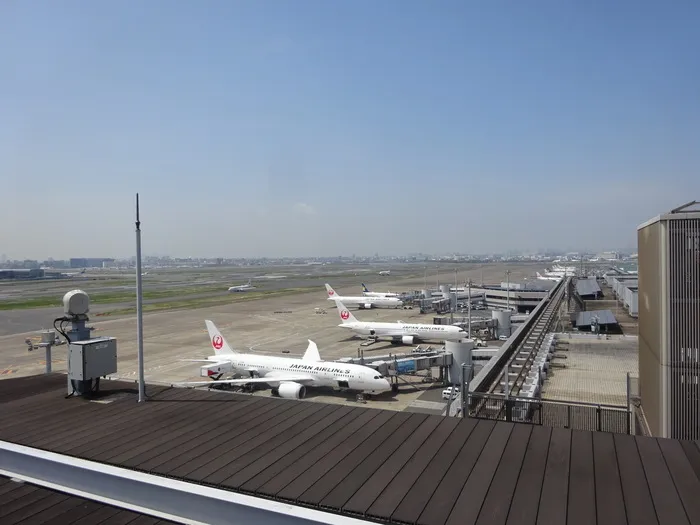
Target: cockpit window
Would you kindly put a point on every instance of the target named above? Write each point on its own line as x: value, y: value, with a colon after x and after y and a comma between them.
x: 378, y: 377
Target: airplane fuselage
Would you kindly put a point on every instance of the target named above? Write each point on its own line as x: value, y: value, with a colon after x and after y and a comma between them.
x: 396, y: 331
x: 324, y: 373
x: 370, y: 301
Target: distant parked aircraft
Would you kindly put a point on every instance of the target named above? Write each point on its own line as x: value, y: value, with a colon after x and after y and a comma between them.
x: 366, y: 292
x: 242, y: 287
x: 365, y: 301
x: 385, y: 272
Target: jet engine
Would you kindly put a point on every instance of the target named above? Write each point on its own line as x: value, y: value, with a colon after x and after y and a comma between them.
x: 407, y: 339
x: 291, y: 390
x: 367, y: 305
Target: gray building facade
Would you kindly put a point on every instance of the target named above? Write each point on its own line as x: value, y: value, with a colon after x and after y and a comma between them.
x: 669, y: 322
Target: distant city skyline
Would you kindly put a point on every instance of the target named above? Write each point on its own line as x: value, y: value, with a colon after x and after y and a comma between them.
x: 534, y: 255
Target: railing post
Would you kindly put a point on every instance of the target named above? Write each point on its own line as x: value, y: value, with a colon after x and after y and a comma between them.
x: 598, y: 413
x: 568, y: 416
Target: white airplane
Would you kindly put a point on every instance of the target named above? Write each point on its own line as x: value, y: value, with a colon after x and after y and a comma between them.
x: 242, y: 287
x: 548, y: 277
x: 364, y: 301
x: 399, y: 332
x: 367, y: 293
x: 385, y: 272
x: 287, y: 376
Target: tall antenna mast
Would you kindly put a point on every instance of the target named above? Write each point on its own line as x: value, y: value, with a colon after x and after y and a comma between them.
x: 139, y: 305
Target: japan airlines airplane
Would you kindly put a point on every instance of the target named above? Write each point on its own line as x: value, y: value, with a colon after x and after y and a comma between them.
x: 366, y: 292
x: 365, y: 301
x: 287, y: 376
x: 399, y: 332
x: 242, y: 287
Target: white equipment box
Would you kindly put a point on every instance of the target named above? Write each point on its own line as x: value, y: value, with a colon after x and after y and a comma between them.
x: 92, y: 358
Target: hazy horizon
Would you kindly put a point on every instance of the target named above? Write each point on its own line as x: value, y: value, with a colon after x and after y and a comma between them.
x: 253, y: 129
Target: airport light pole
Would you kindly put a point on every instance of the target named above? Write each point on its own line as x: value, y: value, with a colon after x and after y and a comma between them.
x: 139, y: 305
x: 508, y: 289
x: 469, y: 307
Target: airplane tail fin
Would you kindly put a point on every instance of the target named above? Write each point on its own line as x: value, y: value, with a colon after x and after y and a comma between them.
x: 311, y: 353
x: 217, y: 340
x: 331, y: 291
x: 345, y: 314
x: 364, y: 287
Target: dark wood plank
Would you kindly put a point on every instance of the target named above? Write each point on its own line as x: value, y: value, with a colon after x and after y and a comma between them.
x: 684, y: 478
x: 139, y: 454
x: 391, y: 466
x: 638, y: 503
x: 152, y: 423
x: 22, y: 510
x: 415, y: 501
x: 76, y: 514
x: 582, y: 503
x: 315, y: 484
x: 526, y: 497
x: 173, y: 454
x: 610, y: 503
x: 668, y: 505
x: 555, y: 490
x: 83, y: 422
x: 362, y: 473
x: 275, y: 436
x: 264, y: 455
x: 206, y: 464
x: 273, y: 477
x: 303, y: 480
x: 390, y: 498
x: 68, y: 505
x: 464, y: 504
x: 693, y: 454
x: 497, y: 496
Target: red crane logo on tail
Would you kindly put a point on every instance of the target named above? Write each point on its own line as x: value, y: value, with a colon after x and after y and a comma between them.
x: 344, y: 315
x: 217, y: 342
x: 330, y: 292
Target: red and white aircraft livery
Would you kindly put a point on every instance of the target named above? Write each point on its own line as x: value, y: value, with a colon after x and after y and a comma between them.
x: 287, y: 376
x: 365, y: 301
x: 399, y: 332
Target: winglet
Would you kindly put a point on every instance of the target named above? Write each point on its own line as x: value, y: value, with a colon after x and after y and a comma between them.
x: 218, y: 342
x: 312, y: 353
x: 345, y: 314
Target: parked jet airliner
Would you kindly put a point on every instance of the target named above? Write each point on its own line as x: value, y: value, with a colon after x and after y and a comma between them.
x: 367, y: 293
x: 242, y: 287
x: 399, y: 332
x: 365, y: 301
x: 287, y: 376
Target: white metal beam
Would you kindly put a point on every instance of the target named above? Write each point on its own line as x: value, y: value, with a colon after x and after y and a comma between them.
x: 157, y: 496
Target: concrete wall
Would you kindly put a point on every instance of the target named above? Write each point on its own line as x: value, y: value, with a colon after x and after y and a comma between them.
x: 651, y: 344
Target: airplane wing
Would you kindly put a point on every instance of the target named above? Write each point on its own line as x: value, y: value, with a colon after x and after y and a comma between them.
x: 267, y: 379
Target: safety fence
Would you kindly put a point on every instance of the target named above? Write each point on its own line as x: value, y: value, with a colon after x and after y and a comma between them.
x: 551, y: 413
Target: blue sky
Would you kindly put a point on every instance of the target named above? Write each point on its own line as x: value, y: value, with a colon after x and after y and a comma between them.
x: 293, y: 127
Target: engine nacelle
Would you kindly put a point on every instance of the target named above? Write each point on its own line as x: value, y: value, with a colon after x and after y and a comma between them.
x: 367, y: 305
x: 407, y: 339
x: 291, y: 391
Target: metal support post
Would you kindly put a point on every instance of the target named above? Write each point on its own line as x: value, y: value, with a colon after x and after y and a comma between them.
x: 48, y: 359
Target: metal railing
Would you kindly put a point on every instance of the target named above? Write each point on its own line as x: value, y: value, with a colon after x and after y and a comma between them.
x: 551, y: 413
